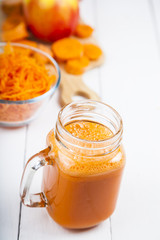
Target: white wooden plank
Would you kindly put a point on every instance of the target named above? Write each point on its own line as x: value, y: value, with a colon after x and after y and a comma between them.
x: 130, y: 83
x: 12, y: 144
x: 47, y: 229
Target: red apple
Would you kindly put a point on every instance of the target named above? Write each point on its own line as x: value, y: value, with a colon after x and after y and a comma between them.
x: 51, y: 20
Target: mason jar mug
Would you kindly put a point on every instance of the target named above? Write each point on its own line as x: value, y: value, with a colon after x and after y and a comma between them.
x: 83, y: 165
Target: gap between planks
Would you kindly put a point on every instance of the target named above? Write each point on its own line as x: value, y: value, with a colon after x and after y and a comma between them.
x: 20, y: 204
x: 99, y: 75
x: 154, y: 22
x: 96, y: 26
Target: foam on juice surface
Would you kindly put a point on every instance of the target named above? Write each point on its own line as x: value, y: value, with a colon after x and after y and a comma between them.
x: 77, y: 164
x: 90, y: 131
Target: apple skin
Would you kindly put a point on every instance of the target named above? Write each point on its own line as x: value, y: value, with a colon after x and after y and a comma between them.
x: 51, y: 20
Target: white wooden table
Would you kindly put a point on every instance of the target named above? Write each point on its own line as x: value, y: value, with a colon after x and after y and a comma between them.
x: 129, y: 33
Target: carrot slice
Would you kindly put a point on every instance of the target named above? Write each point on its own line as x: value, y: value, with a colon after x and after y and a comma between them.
x: 28, y: 42
x: 10, y: 7
x: 83, y: 31
x: 25, y: 51
x: 12, y: 21
x: 77, y: 66
x: 67, y: 48
x: 14, y: 28
x: 41, y: 58
x: 93, y: 52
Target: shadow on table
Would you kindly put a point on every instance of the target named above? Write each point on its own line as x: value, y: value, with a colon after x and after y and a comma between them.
x: 80, y: 230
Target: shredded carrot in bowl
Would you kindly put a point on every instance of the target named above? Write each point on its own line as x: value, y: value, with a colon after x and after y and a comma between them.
x: 22, y: 80
x: 21, y: 77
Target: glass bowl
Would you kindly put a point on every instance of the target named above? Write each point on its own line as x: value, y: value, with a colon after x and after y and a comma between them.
x: 22, y: 112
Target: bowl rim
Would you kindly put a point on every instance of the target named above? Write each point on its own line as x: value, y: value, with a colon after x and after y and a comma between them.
x: 44, y: 95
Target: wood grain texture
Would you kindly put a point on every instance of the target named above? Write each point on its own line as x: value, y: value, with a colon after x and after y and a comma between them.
x: 73, y: 86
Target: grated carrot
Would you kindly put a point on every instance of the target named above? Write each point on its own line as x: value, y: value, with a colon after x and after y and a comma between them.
x: 21, y: 77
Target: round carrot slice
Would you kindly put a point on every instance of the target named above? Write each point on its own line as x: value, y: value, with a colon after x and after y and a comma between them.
x: 25, y: 51
x: 93, y: 52
x: 28, y: 42
x: 83, y: 31
x: 77, y: 66
x: 19, y: 32
x: 10, y: 7
x: 14, y: 28
x: 67, y: 48
x: 41, y: 58
x: 11, y: 22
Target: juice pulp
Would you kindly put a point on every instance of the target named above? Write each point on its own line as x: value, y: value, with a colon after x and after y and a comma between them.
x: 82, y: 191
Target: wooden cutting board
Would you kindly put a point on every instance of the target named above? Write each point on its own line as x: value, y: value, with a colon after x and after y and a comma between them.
x: 73, y: 85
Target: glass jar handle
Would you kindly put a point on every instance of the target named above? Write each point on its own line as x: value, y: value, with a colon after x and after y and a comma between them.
x: 34, y: 163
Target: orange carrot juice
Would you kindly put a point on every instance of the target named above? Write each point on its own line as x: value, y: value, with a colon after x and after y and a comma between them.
x: 82, y: 187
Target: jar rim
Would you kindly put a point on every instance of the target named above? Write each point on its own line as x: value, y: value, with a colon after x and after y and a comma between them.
x: 115, y: 135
